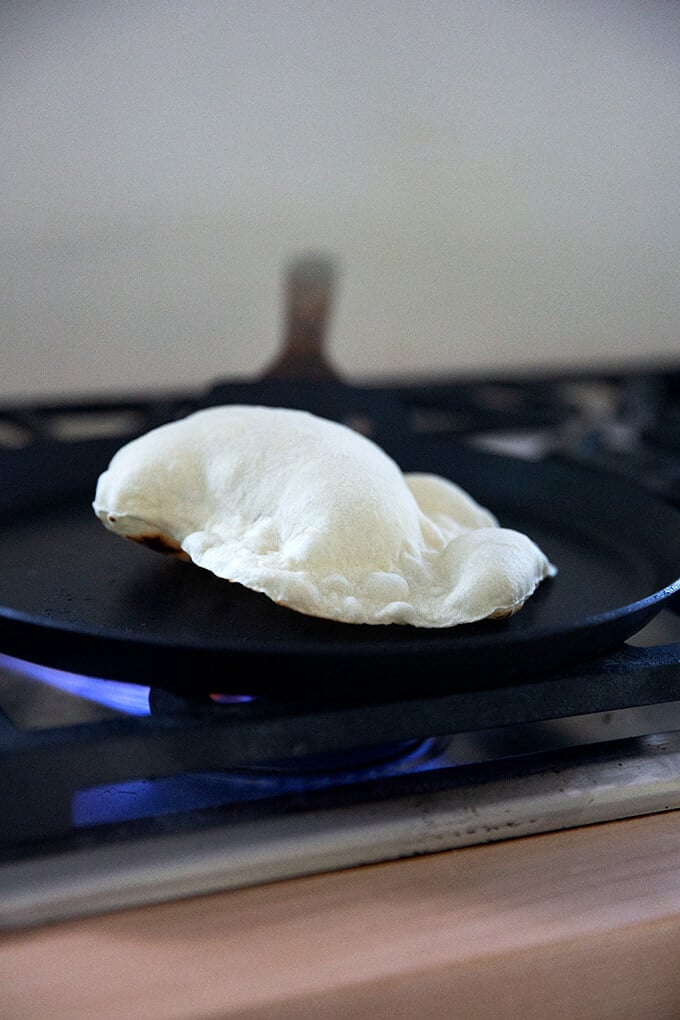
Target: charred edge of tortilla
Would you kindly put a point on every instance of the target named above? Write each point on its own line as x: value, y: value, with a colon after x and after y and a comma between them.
x: 505, y: 614
x: 160, y: 543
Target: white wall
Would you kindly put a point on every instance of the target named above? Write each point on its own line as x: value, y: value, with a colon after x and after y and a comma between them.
x: 500, y: 181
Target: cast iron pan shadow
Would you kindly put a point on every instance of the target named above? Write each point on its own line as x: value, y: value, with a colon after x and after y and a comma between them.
x: 76, y: 597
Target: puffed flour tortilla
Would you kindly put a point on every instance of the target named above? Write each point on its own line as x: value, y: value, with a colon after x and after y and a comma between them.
x: 318, y: 518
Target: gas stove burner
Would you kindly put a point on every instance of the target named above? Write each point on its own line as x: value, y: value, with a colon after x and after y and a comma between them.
x: 402, y: 754
x: 394, y: 754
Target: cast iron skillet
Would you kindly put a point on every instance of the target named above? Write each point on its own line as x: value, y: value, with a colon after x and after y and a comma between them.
x: 77, y: 597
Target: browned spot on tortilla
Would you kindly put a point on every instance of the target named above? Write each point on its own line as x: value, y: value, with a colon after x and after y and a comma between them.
x: 503, y: 614
x: 160, y: 543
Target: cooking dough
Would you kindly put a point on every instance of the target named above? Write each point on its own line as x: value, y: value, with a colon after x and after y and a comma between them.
x: 319, y: 518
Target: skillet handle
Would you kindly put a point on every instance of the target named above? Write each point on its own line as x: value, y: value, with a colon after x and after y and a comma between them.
x: 310, y: 287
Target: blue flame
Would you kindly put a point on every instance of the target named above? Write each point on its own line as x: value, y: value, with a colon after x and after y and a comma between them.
x: 132, y: 699
x: 147, y: 798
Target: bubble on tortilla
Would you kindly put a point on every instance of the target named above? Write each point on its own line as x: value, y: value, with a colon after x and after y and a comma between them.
x: 318, y: 518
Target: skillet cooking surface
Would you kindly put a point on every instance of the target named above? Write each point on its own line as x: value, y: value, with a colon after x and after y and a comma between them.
x: 77, y: 597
